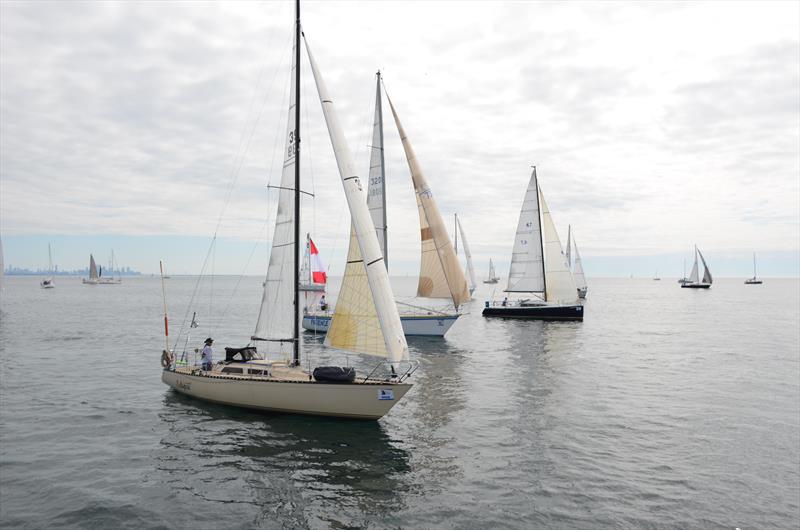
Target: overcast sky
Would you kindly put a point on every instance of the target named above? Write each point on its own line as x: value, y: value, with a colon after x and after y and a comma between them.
x: 654, y: 126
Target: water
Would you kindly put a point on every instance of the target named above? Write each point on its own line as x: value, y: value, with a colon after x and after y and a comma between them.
x: 666, y: 408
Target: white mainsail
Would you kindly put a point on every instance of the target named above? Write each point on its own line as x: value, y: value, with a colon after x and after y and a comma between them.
x: 440, y: 274
x: 92, y: 268
x: 276, y: 318
x: 577, y: 271
x: 387, y: 326
x: 526, y: 273
x: 376, y: 188
x: 468, y: 255
x: 559, y: 283
x: 706, y: 273
x: 694, y: 277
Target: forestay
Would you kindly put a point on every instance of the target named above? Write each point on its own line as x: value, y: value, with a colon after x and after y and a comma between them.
x: 369, y: 252
x: 440, y: 274
x: 526, y: 273
x: 275, y: 319
x: 560, y: 286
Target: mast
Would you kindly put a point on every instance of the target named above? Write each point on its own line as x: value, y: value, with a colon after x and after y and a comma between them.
x: 455, y: 232
x: 541, y: 235
x: 569, y: 242
x: 296, y: 334
x: 50, y: 259
x: 379, y: 113
x: 754, y: 265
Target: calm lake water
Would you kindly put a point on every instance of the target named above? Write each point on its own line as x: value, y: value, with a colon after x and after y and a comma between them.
x: 665, y: 408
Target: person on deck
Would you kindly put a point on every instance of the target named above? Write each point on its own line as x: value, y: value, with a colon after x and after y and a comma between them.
x: 207, y: 353
x: 323, y: 304
x: 505, y: 301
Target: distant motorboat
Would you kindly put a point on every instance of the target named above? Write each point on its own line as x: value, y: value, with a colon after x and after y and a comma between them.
x: 694, y: 280
x: 754, y: 280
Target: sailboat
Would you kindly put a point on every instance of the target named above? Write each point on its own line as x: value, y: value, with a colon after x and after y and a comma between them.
x: 314, y: 277
x: 440, y: 272
x: 467, y: 254
x: 111, y: 280
x: 694, y: 279
x: 365, y: 320
x: 94, y: 277
x: 754, y: 280
x: 656, y: 277
x: 577, y: 270
x: 538, y: 267
x: 47, y: 283
x: 492, y: 278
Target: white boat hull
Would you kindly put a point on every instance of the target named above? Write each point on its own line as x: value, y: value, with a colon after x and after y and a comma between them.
x: 89, y: 281
x: 416, y: 325
x: 359, y: 400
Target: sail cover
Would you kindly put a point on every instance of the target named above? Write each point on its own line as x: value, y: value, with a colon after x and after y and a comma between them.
x: 376, y: 189
x: 275, y: 319
x: 440, y: 274
x: 468, y: 255
x: 577, y: 272
x: 527, y: 262
x: 387, y: 325
x: 560, y: 286
x: 92, y: 268
x: 706, y: 273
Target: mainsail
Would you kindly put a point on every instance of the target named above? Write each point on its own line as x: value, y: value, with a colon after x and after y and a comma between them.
x: 92, y: 268
x: 527, y: 259
x: 440, y: 274
x: 569, y: 242
x: 276, y: 318
x: 468, y: 255
x: 706, y: 273
x: 560, y: 286
x: 376, y: 188
x: 368, y: 257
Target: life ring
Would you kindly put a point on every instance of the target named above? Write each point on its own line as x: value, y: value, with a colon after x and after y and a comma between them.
x: 166, y: 359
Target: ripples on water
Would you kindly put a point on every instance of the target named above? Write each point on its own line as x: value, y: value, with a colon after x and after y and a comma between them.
x: 666, y: 408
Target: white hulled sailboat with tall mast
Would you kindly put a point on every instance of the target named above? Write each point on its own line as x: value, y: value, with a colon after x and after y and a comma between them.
x: 48, y: 283
x: 365, y: 321
x: 440, y: 272
x: 755, y: 280
x: 577, y: 269
x: 493, y: 277
x: 694, y: 281
x: 538, y: 268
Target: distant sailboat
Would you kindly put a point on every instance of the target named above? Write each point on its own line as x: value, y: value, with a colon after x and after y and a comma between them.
x: 684, y: 279
x: 538, y: 267
x: 754, y: 280
x: 694, y: 278
x: 577, y: 270
x: 313, y: 277
x: 656, y: 277
x: 492, y: 278
x: 94, y: 277
x: 467, y: 254
x: 47, y: 283
x: 111, y: 280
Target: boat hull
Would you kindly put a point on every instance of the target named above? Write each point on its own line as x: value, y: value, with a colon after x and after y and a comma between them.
x: 359, y: 400
x: 416, y: 325
x: 89, y: 282
x: 490, y: 281
x: 753, y: 282
x: 695, y: 285
x: 540, y: 312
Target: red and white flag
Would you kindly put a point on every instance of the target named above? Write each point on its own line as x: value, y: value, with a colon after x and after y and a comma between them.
x: 318, y: 274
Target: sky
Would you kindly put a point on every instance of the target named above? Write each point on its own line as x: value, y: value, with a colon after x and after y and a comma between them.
x: 149, y: 127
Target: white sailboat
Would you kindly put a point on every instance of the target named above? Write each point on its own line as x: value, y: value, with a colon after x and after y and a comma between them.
x: 110, y: 280
x: 440, y: 272
x: 94, y: 277
x: 577, y: 272
x: 493, y: 277
x: 48, y: 283
x: 467, y: 254
x: 538, y: 268
x: 755, y: 280
x: 694, y: 277
x: 365, y: 320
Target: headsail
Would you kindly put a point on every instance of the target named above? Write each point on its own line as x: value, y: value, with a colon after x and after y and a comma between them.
x: 376, y: 189
x: 467, y: 254
x: 694, y: 276
x: 706, y: 273
x: 526, y: 273
x: 559, y: 283
x: 92, y: 268
x: 369, y: 257
x: 275, y: 319
x: 440, y: 274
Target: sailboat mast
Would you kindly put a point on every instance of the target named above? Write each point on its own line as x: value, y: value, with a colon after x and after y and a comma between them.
x: 296, y: 334
x: 455, y: 232
x: 541, y: 236
x: 754, y: 264
x: 379, y: 112
x: 50, y: 259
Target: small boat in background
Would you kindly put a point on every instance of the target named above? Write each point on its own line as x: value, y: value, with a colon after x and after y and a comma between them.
x: 48, y: 283
x: 754, y: 280
x: 110, y: 280
x: 694, y: 280
x: 467, y: 254
x: 656, y: 278
x: 312, y: 273
x: 577, y: 270
x: 93, y: 278
x: 493, y: 278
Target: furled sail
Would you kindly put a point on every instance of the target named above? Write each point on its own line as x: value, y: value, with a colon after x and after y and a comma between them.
x: 577, y: 271
x: 376, y: 188
x: 387, y: 326
x: 559, y: 283
x: 92, y: 268
x: 276, y: 317
x: 468, y: 255
x: 694, y: 276
x: 440, y: 274
x: 706, y: 273
x: 527, y: 260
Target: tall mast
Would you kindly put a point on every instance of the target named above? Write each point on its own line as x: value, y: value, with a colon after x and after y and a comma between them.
x: 754, y: 264
x: 296, y: 335
x: 50, y: 259
x: 541, y: 235
x: 379, y: 112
